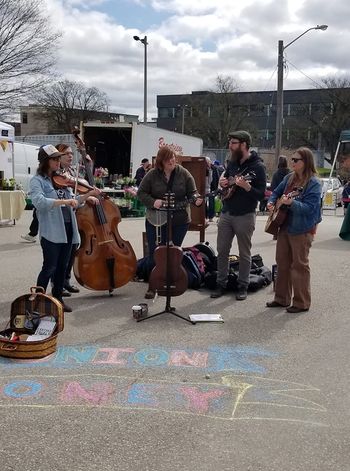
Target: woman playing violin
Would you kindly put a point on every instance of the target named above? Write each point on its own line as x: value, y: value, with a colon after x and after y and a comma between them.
x: 167, y: 176
x: 67, y: 168
x: 57, y: 222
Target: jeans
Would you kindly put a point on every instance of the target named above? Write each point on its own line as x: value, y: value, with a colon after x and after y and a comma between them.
x: 55, y: 261
x: 70, y: 265
x: 178, y: 235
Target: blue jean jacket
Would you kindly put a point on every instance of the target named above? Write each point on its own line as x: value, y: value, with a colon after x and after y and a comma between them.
x: 50, y: 217
x: 305, y: 210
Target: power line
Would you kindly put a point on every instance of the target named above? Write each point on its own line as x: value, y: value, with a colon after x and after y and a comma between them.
x: 322, y: 87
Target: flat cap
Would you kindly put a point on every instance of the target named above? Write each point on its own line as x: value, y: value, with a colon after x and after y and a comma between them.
x: 242, y: 136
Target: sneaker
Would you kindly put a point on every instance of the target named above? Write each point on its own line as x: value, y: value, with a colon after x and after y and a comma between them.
x: 220, y: 291
x: 242, y: 294
x: 28, y: 238
x: 66, y: 293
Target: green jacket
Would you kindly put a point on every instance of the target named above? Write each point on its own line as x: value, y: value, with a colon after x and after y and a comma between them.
x: 154, y: 185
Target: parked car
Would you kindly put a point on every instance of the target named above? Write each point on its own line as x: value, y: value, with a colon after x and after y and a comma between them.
x: 346, y: 196
x: 332, y: 185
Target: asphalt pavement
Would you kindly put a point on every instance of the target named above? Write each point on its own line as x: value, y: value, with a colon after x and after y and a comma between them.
x: 265, y: 390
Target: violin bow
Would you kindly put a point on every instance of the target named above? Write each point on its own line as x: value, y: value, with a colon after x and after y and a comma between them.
x: 76, y: 133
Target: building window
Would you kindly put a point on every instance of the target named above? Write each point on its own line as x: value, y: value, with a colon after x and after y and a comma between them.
x: 299, y: 109
x: 25, y: 118
x: 257, y: 110
x: 166, y: 113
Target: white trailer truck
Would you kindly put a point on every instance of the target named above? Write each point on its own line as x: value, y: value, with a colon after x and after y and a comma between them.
x: 120, y: 147
x: 7, y: 137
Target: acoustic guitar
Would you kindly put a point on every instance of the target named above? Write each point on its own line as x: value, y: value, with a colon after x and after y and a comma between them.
x: 279, y: 214
x: 227, y: 192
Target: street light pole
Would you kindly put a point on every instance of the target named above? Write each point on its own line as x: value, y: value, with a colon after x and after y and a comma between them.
x: 145, y: 43
x: 279, y: 101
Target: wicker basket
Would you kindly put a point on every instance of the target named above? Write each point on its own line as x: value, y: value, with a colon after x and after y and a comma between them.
x: 43, y: 304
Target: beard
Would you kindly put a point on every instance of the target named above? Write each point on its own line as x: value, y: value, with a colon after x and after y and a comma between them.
x: 236, y: 155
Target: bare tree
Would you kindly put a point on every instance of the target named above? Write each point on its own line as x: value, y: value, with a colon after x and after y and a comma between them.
x: 27, y: 42
x: 216, y: 112
x: 332, y: 117
x: 69, y: 102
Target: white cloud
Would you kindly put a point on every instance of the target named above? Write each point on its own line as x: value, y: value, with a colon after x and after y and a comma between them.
x: 198, y: 40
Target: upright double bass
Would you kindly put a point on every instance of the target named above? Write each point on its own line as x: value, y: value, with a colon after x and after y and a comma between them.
x: 104, y: 260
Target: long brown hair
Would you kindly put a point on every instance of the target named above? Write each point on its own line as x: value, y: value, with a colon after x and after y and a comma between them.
x: 165, y: 153
x: 309, y: 167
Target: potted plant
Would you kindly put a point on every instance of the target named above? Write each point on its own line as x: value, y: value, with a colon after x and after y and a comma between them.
x: 12, y: 184
x: 100, y: 174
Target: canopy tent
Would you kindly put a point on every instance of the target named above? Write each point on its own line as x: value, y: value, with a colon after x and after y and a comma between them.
x: 7, y: 137
x: 344, y: 140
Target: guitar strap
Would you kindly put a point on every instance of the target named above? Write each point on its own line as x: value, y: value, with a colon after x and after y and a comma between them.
x: 169, y: 187
x: 159, y: 221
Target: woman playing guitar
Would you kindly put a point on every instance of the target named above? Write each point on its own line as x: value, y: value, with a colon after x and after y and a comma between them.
x: 295, y: 236
x: 166, y: 177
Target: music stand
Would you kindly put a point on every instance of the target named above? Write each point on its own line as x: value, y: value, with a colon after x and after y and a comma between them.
x: 168, y: 308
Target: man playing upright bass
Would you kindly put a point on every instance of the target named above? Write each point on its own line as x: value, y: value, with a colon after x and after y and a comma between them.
x: 243, y: 185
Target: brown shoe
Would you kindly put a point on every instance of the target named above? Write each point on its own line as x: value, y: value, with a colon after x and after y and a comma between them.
x: 274, y: 304
x: 150, y: 294
x: 295, y: 310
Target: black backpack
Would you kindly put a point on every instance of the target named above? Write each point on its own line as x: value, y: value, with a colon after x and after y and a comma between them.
x: 195, y: 277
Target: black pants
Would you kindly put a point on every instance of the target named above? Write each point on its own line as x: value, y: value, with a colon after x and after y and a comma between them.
x: 34, y: 226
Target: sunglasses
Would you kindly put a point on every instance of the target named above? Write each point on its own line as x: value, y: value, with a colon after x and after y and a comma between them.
x: 295, y: 160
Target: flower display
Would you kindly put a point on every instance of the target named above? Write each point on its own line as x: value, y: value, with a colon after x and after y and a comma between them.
x: 101, y: 172
x: 130, y: 192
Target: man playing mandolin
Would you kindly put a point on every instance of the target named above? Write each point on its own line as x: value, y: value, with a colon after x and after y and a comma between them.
x: 243, y: 185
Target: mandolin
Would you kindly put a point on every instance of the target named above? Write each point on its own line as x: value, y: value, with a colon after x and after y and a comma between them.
x: 279, y: 214
x: 229, y: 190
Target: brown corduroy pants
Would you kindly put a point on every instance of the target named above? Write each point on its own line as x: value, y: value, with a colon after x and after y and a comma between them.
x: 293, y: 271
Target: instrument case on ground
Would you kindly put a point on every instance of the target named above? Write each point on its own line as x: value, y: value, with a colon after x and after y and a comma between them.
x: 24, y: 308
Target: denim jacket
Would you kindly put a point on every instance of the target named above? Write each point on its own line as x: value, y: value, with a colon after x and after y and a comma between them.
x: 50, y: 217
x: 305, y: 211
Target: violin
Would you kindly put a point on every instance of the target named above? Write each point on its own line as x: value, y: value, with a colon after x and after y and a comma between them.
x: 65, y: 180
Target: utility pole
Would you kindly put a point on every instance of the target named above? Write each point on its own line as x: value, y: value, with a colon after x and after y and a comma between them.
x: 279, y: 103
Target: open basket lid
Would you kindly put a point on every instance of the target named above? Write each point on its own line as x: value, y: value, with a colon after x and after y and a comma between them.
x: 39, y: 302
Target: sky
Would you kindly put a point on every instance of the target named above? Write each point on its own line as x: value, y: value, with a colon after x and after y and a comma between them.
x: 191, y: 42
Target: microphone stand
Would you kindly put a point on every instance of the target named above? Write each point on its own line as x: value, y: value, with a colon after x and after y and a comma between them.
x: 168, y: 308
